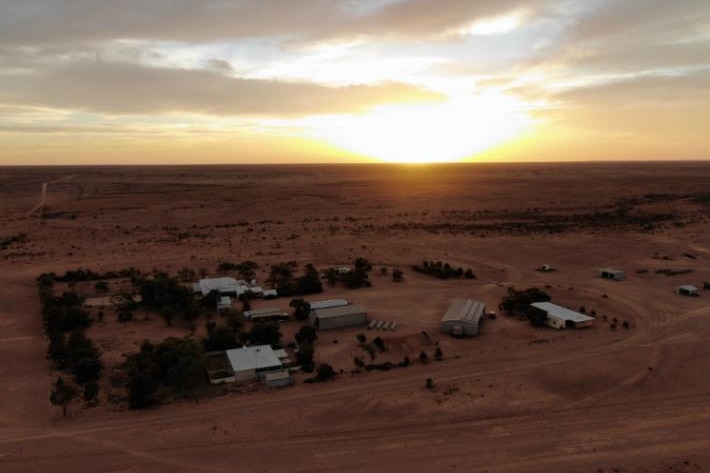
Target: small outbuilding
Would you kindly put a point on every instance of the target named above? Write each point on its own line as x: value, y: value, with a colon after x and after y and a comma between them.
x: 463, y: 318
x: 278, y: 379
x: 615, y: 274
x: 225, y: 302
x: 687, y: 290
x: 338, y: 317
x: 560, y: 317
x: 253, y: 362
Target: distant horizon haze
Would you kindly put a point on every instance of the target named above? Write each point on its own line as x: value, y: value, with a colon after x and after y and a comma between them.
x: 321, y: 81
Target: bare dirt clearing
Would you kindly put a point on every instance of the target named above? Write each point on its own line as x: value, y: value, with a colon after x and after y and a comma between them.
x: 515, y: 399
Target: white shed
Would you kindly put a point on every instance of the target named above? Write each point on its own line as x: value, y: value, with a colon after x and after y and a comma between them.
x: 338, y: 317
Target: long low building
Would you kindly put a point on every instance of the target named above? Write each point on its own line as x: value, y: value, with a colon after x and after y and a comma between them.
x: 267, y: 313
x: 253, y: 362
x: 225, y: 286
x: 338, y: 317
x: 560, y: 317
x: 463, y: 318
x: 328, y: 304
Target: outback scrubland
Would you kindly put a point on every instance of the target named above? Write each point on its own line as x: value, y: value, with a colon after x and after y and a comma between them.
x: 630, y: 394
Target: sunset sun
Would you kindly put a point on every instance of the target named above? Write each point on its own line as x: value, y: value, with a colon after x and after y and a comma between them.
x: 450, y: 131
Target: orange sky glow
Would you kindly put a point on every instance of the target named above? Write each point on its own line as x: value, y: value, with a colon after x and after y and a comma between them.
x: 405, y: 81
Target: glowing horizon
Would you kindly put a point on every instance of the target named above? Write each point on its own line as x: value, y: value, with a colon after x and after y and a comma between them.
x: 375, y: 80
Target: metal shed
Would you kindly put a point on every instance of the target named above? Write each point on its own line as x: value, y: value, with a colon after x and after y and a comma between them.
x: 338, y: 317
x: 463, y: 317
x: 687, y: 290
x: 560, y: 317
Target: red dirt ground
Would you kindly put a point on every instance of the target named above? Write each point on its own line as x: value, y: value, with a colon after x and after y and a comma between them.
x: 515, y: 399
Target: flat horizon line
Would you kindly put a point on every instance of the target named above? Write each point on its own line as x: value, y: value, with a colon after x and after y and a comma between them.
x: 356, y: 163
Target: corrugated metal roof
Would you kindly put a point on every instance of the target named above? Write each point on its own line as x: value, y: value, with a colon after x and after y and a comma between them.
x: 221, y: 285
x: 688, y: 288
x: 339, y: 311
x: 328, y: 304
x: 265, y: 312
x: 561, y: 312
x: 464, y: 310
x: 248, y: 358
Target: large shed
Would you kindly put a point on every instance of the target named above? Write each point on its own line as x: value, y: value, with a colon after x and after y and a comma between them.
x: 463, y: 317
x: 560, y: 317
x: 338, y: 317
x: 253, y: 362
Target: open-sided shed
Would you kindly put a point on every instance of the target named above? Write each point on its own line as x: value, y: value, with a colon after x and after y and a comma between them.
x: 560, y: 317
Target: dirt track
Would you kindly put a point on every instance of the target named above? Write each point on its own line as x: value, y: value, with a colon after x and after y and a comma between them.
x: 515, y: 400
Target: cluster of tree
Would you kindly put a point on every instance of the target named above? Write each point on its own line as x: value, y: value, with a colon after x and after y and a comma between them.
x: 301, y: 308
x: 306, y: 338
x: 518, y: 303
x: 324, y: 372
x: 6, y: 242
x: 79, y: 275
x: 69, y: 348
x: 166, y: 296
x: 245, y: 270
x: 231, y: 335
x: 175, y: 365
x: 356, y: 278
x: 397, y: 275
x: 283, y: 279
x: 386, y: 366
x: 441, y: 270
x: 372, y: 347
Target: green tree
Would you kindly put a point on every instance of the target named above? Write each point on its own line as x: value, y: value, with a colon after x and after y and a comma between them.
x: 221, y: 338
x: 304, y: 358
x: 397, y: 275
x: 324, y: 372
x: 141, y: 389
x: 301, y: 308
x: 518, y: 302
x: 306, y: 335
x: 87, y: 369
x: 91, y: 391
x: 265, y: 333
x: 62, y: 395
x: 101, y: 286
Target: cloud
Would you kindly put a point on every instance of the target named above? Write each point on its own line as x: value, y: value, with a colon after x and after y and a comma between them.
x: 642, y: 20
x: 133, y: 89
x: 645, y: 90
x: 76, y: 21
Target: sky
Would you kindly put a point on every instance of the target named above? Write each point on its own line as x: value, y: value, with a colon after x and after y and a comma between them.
x: 292, y: 81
